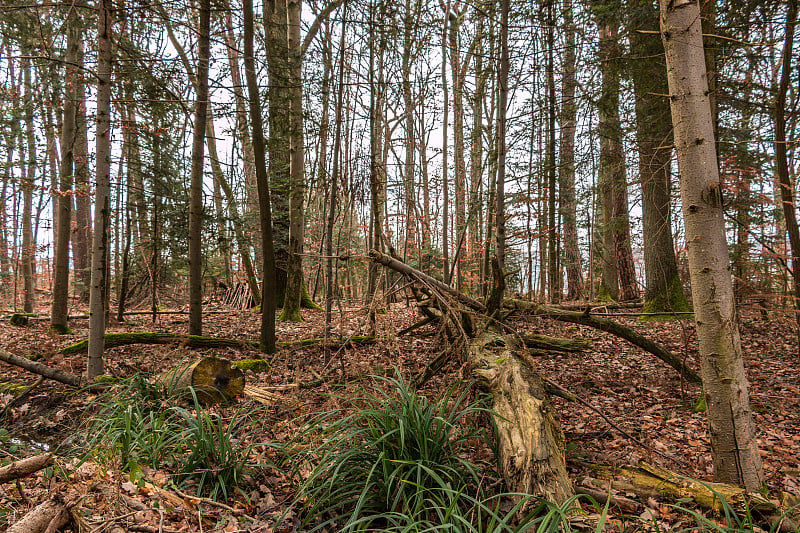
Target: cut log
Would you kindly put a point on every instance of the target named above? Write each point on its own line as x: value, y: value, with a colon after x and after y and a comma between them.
x: 50, y: 515
x: 25, y: 467
x: 43, y: 370
x: 608, y: 326
x: 213, y: 380
x: 530, y: 442
x: 113, y: 340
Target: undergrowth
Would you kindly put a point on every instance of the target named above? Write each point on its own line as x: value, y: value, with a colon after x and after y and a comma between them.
x: 139, y: 426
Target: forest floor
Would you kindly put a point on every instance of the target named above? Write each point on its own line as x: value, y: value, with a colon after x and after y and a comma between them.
x: 639, y: 393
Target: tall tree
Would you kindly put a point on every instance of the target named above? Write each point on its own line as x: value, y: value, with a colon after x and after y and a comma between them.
x: 27, y: 185
x: 59, y: 310
x: 196, y: 187
x: 102, y: 207
x: 734, y: 447
x: 781, y: 155
x: 663, y: 289
x: 617, y: 253
x: 268, y: 292
x: 567, y: 119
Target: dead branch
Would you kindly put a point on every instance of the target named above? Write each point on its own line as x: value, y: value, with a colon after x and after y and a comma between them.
x: 608, y: 326
x: 43, y: 370
x: 25, y: 467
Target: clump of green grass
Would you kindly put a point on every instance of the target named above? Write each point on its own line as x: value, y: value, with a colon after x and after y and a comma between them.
x: 388, y: 455
x: 139, y: 425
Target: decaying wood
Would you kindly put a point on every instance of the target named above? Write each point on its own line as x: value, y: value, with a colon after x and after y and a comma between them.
x: 25, y: 467
x: 626, y: 505
x: 652, y: 481
x: 530, y: 441
x: 213, y: 380
x: 113, y: 340
x: 263, y: 396
x: 334, y: 342
x: 50, y: 515
x: 43, y: 370
x: 608, y: 326
x: 555, y: 344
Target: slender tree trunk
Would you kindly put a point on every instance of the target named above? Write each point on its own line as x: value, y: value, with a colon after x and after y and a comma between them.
x: 196, y: 187
x: 663, y: 290
x: 781, y: 157
x: 337, y: 149
x: 411, y: 12
x: 734, y: 447
x: 553, y: 253
x: 27, y: 185
x: 566, y: 170
x: 377, y: 169
x: 294, y: 268
x: 457, y: 68
x: 82, y: 232
x: 617, y: 245
x: 59, y: 310
x: 242, y: 128
x: 97, y: 294
x: 446, y: 272
x: 498, y: 285
x: 268, y: 294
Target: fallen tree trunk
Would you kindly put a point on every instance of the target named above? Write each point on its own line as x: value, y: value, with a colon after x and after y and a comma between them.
x: 555, y: 344
x: 50, y: 515
x: 212, y: 380
x: 25, y: 467
x: 608, y: 326
x: 529, y: 438
x: 333, y: 342
x: 530, y: 442
x: 113, y: 340
x: 43, y: 370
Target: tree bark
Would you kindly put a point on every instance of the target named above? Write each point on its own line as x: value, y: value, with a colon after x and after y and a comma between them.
x: 196, y: 186
x: 566, y: 168
x: 782, y: 159
x: 617, y: 245
x: 59, y: 308
x: 663, y: 289
x: 733, y: 444
x: 97, y: 294
x: 25, y: 467
x: 268, y: 294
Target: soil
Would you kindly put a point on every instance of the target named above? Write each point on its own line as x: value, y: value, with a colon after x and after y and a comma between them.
x: 642, y: 395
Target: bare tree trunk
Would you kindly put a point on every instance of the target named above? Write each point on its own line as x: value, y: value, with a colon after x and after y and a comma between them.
x: 82, y: 234
x: 27, y: 185
x: 59, y: 310
x: 196, y: 187
x: 97, y: 294
x: 734, y: 447
x: 294, y: 267
x: 566, y: 169
x: 337, y: 150
x: 446, y: 272
x: 553, y: 270
x: 617, y: 245
x: 268, y: 294
x: 781, y: 157
x: 663, y: 290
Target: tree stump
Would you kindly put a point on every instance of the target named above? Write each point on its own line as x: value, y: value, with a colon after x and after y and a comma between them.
x: 212, y: 380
